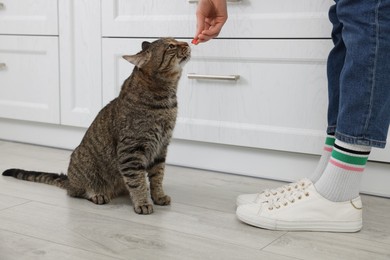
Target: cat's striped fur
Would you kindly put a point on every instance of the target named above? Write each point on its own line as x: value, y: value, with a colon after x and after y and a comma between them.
x: 128, y: 139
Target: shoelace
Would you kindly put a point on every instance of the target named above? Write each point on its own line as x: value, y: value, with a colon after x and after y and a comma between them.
x: 288, y: 199
x: 285, y: 189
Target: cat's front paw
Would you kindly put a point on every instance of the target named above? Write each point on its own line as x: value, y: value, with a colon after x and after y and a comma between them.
x: 162, y: 201
x: 99, y: 199
x: 143, y: 209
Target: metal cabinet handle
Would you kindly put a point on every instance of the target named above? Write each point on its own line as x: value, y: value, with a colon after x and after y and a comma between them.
x: 213, y: 77
x: 2, y: 6
x: 2, y: 66
x: 229, y: 1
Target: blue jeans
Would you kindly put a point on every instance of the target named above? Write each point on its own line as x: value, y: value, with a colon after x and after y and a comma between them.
x: 359, y: 72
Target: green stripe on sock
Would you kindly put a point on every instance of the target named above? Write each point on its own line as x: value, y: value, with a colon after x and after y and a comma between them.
x: 348, y: 158
x: 330, y: 141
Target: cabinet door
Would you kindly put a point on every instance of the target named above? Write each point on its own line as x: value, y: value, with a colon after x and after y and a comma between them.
x: 247, y: 18
x: 80, y: 61
x: 269, y: 94
x: 29, y: 17
x: 29, y: 80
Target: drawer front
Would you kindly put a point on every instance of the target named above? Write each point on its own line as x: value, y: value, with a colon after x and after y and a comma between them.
x: 276, y: 100
x: 29, y: 78
x: 29, y: 17
x: 247, y: 18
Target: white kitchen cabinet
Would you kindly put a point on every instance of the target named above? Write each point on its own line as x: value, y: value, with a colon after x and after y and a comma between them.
x: 29, y: 63
x: 29, y: 78
x: 29, y: 17
x: 247, y: 18
x: 72, y: 60
x: 273, y: 114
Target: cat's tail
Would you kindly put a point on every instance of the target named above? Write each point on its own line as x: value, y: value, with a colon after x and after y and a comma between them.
x: 59, y: 180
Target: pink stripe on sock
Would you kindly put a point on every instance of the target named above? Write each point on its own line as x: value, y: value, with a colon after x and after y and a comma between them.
x: 328, y: 149
x: 345, y: 167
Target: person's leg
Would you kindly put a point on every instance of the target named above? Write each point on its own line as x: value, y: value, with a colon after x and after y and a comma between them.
x: 363, y: 119
x: 364, y: 103
x: 364, y: 109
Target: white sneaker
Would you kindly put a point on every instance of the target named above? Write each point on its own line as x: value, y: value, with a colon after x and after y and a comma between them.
x: 304, y: 210
x: 267, y: 195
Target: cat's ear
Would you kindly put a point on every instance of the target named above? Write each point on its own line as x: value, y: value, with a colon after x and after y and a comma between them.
x: 145, y: 45
x: 138, y: 59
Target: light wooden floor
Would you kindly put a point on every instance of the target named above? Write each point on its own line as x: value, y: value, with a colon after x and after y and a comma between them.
x: 39, y: 221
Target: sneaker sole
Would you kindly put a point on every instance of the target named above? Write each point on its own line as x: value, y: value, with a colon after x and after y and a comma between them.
x: 327, y: 226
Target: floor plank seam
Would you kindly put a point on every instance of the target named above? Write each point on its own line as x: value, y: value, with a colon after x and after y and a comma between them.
x: 273, y: 241
x: 14, y: 206
x: 208, y: 208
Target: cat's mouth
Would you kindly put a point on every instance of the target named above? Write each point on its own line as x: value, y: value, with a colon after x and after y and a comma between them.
x: 186, y: 56
x: 184, y: 59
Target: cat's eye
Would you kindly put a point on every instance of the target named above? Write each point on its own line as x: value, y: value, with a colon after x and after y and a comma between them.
x: 171, y: 46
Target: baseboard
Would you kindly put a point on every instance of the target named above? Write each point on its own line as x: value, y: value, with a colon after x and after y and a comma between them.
x: 269, y: 164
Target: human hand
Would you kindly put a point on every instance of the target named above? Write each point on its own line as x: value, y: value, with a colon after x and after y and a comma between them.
x: 211, y: 16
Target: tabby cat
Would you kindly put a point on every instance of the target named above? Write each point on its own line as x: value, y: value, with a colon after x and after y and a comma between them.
x: 128, y: 139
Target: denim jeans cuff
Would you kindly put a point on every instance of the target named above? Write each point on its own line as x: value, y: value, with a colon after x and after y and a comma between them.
x: 359, y: 140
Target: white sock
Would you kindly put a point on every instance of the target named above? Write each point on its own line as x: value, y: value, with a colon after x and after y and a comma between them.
x: 343, y: 173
